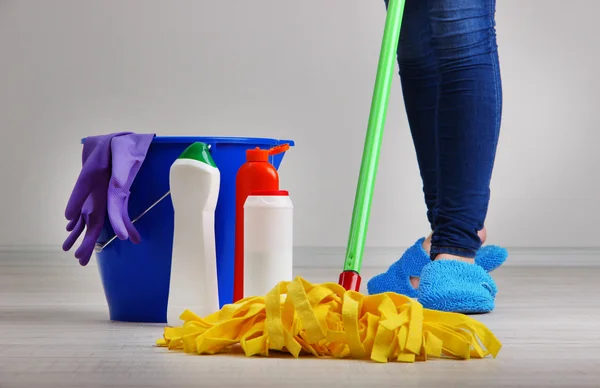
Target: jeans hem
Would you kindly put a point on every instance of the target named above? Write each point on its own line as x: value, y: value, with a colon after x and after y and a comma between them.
x: 468, y: 253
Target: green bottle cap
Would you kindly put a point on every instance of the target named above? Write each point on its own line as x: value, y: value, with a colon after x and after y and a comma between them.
x: 198, y: 151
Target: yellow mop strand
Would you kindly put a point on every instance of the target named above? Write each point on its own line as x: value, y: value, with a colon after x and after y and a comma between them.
x: 325, y: 320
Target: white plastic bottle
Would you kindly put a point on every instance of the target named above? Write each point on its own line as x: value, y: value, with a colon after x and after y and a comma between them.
x: 194, y: 183
x: 268, y: 241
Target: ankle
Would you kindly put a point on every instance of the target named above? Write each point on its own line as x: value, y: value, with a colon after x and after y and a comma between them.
x: 427, y: 243
x: 482, y: 235
x: 447, y: 256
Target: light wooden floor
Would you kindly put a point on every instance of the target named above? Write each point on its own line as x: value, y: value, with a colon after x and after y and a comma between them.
x: 54, y: 332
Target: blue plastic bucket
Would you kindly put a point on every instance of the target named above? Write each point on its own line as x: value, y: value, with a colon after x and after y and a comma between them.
x: 136, y: 277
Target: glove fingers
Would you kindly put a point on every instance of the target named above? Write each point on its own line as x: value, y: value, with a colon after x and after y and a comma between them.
x: 74, y: 235
x: 80, y: 193
x: 71, y: 224
x: 85, y: 250
x: 95, y: 222
x: 134, y: 235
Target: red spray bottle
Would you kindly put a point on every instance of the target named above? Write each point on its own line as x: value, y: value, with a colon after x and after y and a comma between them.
x: 254, y: 175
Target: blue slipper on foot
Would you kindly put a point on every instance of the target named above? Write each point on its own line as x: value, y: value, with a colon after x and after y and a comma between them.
x: 397, y: 277
x: 490, y: 257
x: 457, y: 287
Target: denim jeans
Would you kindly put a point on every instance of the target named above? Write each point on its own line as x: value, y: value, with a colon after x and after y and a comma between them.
x: 450, y: 76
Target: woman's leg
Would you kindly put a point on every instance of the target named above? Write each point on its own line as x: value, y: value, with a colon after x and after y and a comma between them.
x: 468, y: 115
x: 468, y: 123
x: 420, y: 74
x: 420, y: 84
x: 420, y: 87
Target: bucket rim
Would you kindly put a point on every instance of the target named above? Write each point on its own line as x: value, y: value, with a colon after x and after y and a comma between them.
x: 217, y: 140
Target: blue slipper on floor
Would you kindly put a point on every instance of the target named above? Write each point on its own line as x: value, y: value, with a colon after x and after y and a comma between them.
x: 458, y: 287
x: 397, y: 277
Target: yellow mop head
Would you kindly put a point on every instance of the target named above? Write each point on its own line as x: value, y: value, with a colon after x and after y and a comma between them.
x: 325, y: 320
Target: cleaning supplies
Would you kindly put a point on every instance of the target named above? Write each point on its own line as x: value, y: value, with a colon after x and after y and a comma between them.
x: 334, y: 319
x: 326, y: 320
x: 256, y: 174
x: 86, y: 207
x: 194, y: 184
x: 110, y: 164
x: 268, y: 240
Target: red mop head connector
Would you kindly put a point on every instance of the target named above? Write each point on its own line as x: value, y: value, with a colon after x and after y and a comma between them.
x: 350, y: 280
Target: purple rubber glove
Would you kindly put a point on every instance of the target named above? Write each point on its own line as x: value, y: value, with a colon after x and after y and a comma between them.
x: 128, y: 154
x: 87, y: 205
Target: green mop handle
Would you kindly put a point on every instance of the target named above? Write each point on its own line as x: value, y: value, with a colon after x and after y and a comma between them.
x: 372, y: 146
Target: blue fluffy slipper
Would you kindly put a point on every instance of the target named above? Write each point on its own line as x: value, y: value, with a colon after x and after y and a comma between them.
x: 458, y: 287
x: 397, y: 277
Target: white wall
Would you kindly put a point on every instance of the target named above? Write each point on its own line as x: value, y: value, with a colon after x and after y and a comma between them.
x: 302, y: 70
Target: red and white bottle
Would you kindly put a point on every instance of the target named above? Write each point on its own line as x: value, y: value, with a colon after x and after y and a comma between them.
x: 256, y: 174
x: 268, y: 241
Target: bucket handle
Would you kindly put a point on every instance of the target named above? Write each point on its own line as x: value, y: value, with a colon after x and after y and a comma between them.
x: 99, y: 247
